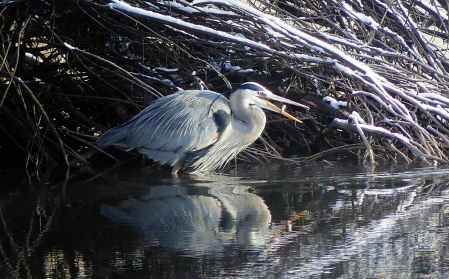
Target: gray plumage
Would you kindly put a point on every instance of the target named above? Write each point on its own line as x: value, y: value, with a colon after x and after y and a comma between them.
x: 197, y: 129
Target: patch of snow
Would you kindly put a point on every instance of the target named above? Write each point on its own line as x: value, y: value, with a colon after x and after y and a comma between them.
x: 117, y: 4
x: 435, y: 96
x: 163, y: 69
x: 334, y: 103
x: 69, y: 46
x: 367, y: 20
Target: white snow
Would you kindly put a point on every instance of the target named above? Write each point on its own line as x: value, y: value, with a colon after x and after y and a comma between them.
x: 433, y: 9
x: 69, y: 46
x: 367, y: 20
x: 345, y: 69
x: 356, y: 116
x: 434, y: 96
x: 117, y: 4
x: 305, y: 57
x: 376, y: 129
x: 334, y: 103
x: 163, y: 69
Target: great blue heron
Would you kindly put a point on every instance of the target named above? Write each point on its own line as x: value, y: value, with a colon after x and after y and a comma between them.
x: 198, y: 129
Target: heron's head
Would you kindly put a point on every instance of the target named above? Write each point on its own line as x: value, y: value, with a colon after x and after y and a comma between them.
x: 257, y: 95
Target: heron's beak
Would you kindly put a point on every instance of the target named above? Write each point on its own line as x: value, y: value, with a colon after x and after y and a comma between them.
x: 273, y: 107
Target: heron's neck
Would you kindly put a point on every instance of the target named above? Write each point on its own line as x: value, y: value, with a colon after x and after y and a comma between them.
x: 252, y: 119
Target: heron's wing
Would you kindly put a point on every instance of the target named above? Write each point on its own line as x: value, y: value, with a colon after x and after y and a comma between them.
x: 182, y: 122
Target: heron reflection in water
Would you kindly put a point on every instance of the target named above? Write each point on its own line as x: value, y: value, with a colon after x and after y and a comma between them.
x: 198, y: 129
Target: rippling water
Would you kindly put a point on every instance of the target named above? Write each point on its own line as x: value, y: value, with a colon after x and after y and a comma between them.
x: 264, y: 221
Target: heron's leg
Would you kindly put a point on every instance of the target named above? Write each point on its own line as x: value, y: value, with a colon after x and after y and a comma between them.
x: 176, y: 168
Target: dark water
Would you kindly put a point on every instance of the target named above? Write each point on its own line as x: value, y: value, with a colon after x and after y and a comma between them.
x: 265, y: 221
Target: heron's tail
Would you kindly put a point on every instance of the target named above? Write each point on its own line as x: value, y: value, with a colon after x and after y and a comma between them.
x: 115, y: 136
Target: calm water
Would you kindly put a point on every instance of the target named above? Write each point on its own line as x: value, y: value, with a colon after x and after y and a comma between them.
x: 264, y: 221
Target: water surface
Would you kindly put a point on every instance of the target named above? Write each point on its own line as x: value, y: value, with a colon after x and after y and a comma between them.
x: 263, y: 221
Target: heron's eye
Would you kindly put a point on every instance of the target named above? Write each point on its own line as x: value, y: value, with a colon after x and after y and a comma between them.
x: 260, y: 93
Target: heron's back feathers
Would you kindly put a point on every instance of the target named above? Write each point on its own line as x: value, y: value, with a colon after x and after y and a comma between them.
x: 173, y: 126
